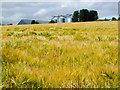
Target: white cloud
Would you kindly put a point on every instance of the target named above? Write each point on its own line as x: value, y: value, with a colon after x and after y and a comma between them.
x: 40, y: 12
x: 12, y: 19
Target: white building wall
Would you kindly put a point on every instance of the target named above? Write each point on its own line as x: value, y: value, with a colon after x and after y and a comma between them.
x: 63, y: 19
x: 69, y: 20
x: 66, y: 20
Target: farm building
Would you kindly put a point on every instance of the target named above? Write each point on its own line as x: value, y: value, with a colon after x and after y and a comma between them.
x: 26, y: 21
x: 62, y: 18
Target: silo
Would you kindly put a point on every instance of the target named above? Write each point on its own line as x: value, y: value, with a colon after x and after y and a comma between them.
x: 61, y: 19
x: 69, y: 18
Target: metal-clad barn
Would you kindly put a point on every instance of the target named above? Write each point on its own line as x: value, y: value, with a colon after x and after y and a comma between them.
x: 26, y: 21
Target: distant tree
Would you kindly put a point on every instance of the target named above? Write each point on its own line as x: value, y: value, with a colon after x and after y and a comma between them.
x: 75, y: 17
x: 3, y: 24
x: 84, y: 15
x: 113, y: 18
x: 93, y: 15
x: 10, y: 24
x: 106, y: 19
x: 33, y: 22
x: 52, y: 21
x: 36, y: 22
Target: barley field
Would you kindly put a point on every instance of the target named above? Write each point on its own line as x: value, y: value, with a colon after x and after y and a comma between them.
x: 60, y: 55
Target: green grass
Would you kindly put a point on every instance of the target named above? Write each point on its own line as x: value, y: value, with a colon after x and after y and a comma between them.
x: 71, y: 55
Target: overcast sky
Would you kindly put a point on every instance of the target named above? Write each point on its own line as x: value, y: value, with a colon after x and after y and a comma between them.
x: 13, y: 12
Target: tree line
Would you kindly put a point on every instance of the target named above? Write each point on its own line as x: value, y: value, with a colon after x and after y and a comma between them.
x: 84, y: 15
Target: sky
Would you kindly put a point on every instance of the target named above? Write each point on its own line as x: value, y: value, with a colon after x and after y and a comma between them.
x: 13, y: 12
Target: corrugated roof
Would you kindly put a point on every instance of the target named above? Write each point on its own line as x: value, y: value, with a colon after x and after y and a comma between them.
x: 26, y: 21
